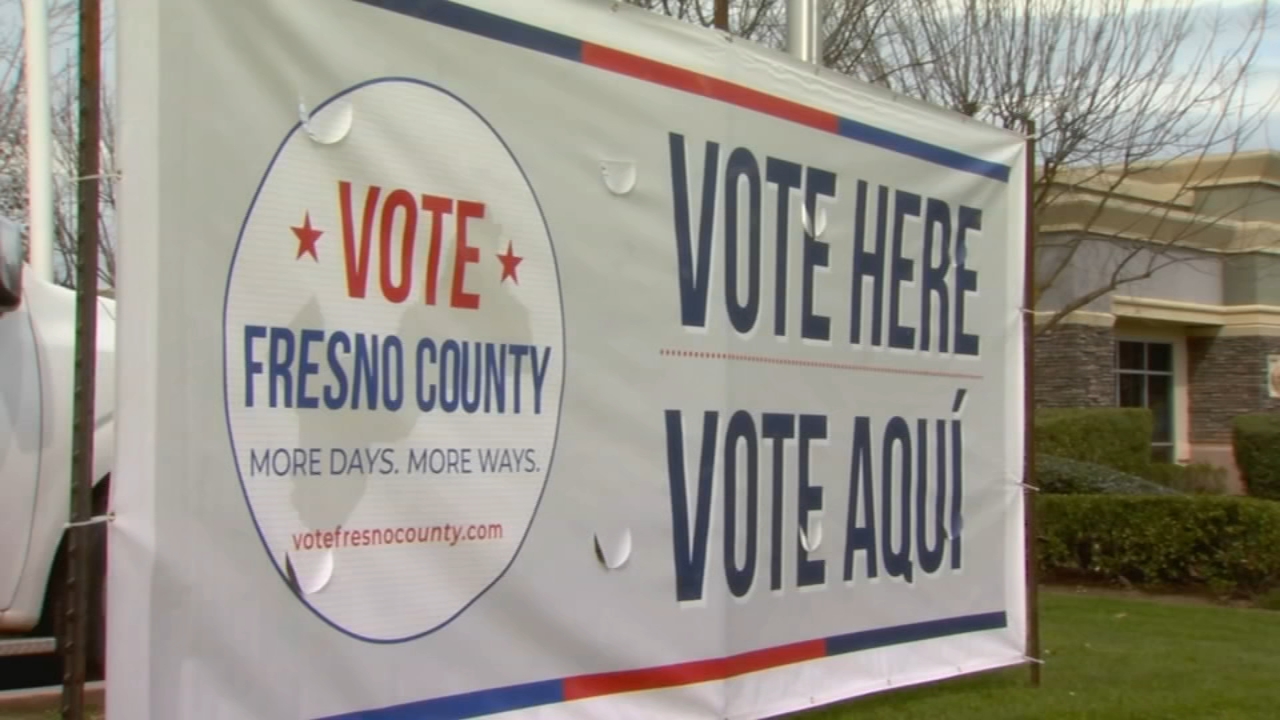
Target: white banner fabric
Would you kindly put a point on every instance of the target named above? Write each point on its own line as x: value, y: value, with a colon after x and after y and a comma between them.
x: 550, y: 359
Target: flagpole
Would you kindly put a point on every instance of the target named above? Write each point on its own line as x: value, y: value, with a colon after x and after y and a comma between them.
x: 804, y: 30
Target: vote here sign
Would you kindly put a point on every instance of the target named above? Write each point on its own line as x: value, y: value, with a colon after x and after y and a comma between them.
x: 551, y: 359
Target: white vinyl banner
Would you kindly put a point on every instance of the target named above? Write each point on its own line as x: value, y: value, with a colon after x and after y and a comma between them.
x: 550, y: 359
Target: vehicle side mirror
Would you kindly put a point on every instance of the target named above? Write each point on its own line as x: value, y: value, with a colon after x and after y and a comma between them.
x: 10, y: 265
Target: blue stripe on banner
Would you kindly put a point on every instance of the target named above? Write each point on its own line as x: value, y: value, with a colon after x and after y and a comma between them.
x: 902, y: 634
x: 467, y: 705
x: 484, y: 24
x: 921, y: 150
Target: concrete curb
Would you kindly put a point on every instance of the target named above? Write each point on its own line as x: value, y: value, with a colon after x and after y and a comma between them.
x: 47, y: 698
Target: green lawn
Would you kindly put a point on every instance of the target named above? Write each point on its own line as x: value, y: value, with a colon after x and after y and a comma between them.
x: 1110, y: 659
x: 1115, y: 658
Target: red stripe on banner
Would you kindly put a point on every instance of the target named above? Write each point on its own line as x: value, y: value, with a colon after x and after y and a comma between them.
x: 689, y: 81
x: 666, y: 676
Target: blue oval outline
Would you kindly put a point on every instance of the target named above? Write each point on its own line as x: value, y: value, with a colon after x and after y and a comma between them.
x: 564, y: 361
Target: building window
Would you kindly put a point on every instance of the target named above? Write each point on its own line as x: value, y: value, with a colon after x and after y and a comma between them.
x: 1144, y: 379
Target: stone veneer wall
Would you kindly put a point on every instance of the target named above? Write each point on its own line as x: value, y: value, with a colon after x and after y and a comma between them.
x: 1227, y: 377
x: 1075, y: 366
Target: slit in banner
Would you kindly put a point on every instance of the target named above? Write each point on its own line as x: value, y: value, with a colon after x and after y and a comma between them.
x: 612, y: 556
x: 618, y: 175
x: 328, y: 125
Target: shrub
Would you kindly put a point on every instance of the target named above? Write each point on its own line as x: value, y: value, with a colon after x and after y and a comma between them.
x: 1195, y: 478
x: 1270, y: 600
x: 1069, y: 477
x: 1119, y: 438
x: 1256, y: 440
x: 1230, y: 545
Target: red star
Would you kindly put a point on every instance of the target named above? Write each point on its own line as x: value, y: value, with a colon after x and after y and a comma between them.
x: 307, y: 237
x: 510, y: 261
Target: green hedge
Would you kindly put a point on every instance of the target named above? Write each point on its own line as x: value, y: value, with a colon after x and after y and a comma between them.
x: 1119, y: 438
x: 1195, y: 478
x: 1230, y: 545
x: 1070, y: 477
x: 1256, y: 439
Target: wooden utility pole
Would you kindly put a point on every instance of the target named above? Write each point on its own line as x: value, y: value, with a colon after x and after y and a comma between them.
x: 1031, y: 544
x: 79, y: 546
x: 721, y: 18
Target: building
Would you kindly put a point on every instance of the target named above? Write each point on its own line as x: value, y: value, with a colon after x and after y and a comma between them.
x: 1193, y: 332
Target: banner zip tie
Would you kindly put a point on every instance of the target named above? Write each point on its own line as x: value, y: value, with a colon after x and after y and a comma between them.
x: 1030, y: 659
x: 95, y: 520
x: 1030, y: 487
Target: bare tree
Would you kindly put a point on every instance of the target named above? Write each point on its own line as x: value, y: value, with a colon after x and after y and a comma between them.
x: 13, y: 150
x: 852, y: 29
x: 1135, y: 105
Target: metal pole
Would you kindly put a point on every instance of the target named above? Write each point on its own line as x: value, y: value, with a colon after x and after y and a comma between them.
x: 804, y: 30
x: 1029, y: 530
x: 39, y: 138
x: 721, y: 16
x: 87, y: 215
